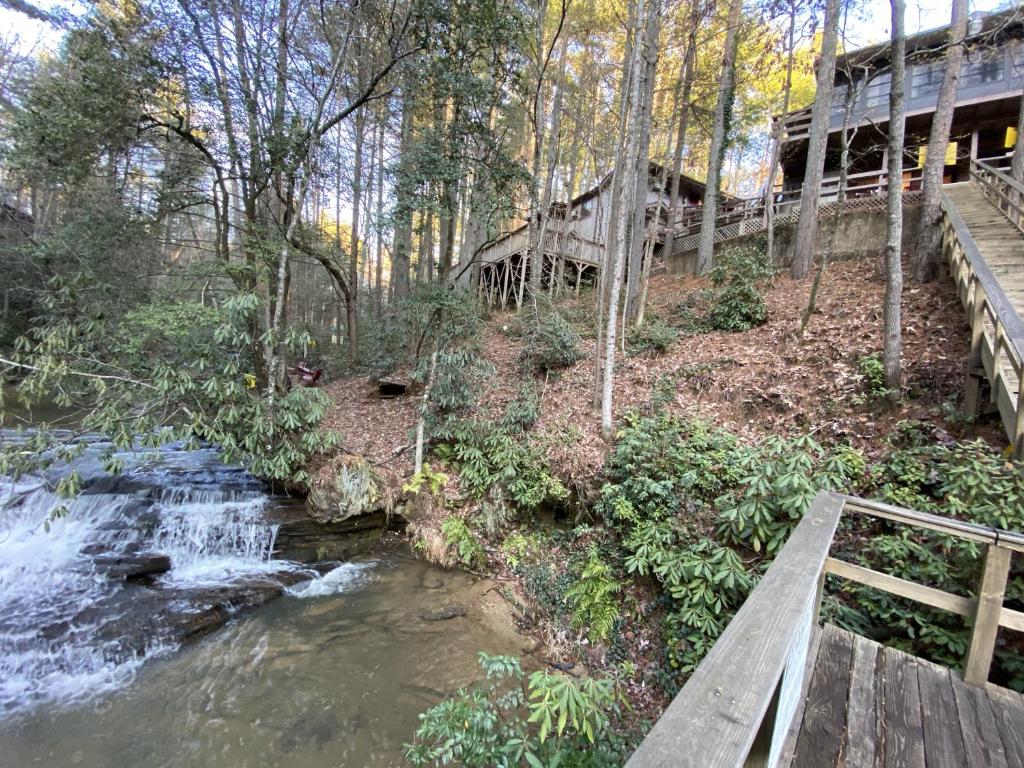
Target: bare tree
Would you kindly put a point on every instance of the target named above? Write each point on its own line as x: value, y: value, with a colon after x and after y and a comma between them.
x: 821, y: 113
x: 643, y: 50
x: 719, y: 135
x: 894, y: 208
x: 777, y: 129
x: 929, y: 233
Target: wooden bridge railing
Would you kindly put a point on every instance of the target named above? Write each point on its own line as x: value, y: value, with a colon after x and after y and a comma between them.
x: 738, y: 707
x: 997, y: 333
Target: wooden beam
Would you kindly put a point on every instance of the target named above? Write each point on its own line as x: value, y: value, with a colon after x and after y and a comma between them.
x: 936, y: 598
x: 987, y: 614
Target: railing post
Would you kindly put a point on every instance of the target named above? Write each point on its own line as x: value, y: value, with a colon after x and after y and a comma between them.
x: 986, y: 614
x: 972, y: 395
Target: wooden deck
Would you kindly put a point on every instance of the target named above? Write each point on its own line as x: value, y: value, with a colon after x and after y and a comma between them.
x: 868, y: 705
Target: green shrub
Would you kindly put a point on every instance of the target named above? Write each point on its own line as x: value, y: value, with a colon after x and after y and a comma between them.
x: 522, y: 412
x: 488, y: 456
x: 550, y: 340
x: 593, y: 598
x: 739, y: 276
x: 514, y: 549
x: 653, y: 335
x: 512, y: 720
x: 872, y: 373
x: 662, y: 464
x: 780, y: 478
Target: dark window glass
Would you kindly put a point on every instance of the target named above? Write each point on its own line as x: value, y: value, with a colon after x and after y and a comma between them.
x: 982, y: 67
x: 878, y: 90
x: 926, y: 79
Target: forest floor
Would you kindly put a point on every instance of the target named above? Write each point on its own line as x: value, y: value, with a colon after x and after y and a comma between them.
x: 765, y: 381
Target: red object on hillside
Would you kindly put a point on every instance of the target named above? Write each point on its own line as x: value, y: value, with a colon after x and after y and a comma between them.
x: 307, y: 376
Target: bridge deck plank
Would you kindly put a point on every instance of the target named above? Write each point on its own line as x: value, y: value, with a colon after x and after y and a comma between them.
x: 878, y: 707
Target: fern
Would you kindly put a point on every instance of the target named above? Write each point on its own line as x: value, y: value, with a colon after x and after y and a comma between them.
x: 593, y: 598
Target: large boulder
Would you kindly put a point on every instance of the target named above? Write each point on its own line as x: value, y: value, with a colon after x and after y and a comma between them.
x: 349, y: 486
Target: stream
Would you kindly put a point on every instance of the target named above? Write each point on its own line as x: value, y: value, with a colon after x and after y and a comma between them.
x: 162, y: 622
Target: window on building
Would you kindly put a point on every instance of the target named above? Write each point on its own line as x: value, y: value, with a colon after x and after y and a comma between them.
x: 926, y: 79
x: 984, y: 66
x: 839, y: 99
x: 878, y: 91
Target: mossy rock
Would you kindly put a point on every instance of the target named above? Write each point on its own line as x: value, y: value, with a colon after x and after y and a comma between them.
x: 347, y: 487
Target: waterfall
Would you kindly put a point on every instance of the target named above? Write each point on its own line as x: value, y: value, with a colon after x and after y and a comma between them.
x: 214, y: 537
x: 49, y: 645
x: 72, y: 625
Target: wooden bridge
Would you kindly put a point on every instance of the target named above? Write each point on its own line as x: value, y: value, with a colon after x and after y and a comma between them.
x: 776, y: 690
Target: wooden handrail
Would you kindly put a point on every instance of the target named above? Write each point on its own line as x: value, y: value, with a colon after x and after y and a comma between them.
x: 717, y: 716
x: 738, y: 706
x: 950, y: 526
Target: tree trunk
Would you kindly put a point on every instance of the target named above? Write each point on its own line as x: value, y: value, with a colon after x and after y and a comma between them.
x: 810, y: 193
x: 719, y: 135
x: 894, y: 209
x: 928, y: 242
x: 631, y: 148
x: 352, y: 313
x: 686, y: 76
x: 552, y: 147
x: 612, y: 228
x: 535, y: 259
x: 777, y: 130
x: 649, y: 64
x: 378, y: 297
x: 402, y: 250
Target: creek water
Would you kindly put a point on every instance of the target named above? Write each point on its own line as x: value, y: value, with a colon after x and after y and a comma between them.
x: 96, y: 670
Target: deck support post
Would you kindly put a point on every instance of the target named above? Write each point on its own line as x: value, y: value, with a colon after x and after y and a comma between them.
x: 986, y: 614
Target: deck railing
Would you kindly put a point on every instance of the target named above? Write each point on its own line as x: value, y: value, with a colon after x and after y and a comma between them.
x: 739, y: 706
x: 997, y: 333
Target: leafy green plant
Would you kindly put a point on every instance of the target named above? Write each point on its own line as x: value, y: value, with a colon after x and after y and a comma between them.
x: 488, y: 456
x: 652, y: 336
x: 458, y: 536
x: 511, y: 720
x: 593, y: 598
x: 523, y: 411
x: 739, y: 276
x: 779, y: 480
x: 872, y: 372
x: 433, y: 481
x: 662, y: 463
x: 514, y: 549
x: 550, y: 340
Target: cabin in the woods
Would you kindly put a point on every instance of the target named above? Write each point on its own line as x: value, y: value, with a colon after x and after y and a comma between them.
x: 984, y: 120
x: 575, y: 236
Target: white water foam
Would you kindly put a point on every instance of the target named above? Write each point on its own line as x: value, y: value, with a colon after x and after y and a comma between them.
x: 213, y: 542
x: 45, y: 582
x: 341, y: 579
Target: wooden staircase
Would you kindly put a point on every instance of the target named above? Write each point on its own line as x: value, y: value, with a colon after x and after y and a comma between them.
x: 983, y: 244
x: 1000, y: 242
